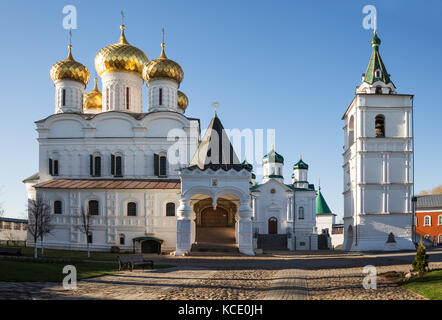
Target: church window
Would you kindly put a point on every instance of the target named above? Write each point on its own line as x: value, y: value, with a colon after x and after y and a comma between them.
x: 378, y: 90
x: 93, y: 207
x: 160, y: 165
x: 378, y: 74
x: 170, y: 209
x: 95, y: 165
x: 132, y: 209
x: 380, y: 126
x: 116, y: 165
x: 122, y: 239
x: 351, y: 131
x: 58, y: 207
x: 127, y: 98
x: 301, y: 213
x: 63, y: 94
x: 53, y: 167
x: 160, y: 97
x: 427, y: 221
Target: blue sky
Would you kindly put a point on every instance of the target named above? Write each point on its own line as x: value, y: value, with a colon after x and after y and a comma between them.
x: 288, y: 65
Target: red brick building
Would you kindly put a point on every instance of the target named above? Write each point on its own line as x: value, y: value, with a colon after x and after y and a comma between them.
x: 429, y: 217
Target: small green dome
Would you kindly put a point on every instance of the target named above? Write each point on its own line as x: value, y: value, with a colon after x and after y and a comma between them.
x: 273, y: 157
x: 375, y: 41
x: 300, y: 165
x: 247, y: 166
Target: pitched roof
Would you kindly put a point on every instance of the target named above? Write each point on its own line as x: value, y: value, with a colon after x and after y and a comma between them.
x: 34, y: 177
x: 215, y: 150
x: 429, y: 201
x: 376, y: 63
x: 321, y: 204
x: 300, y: 165
x: 110, y: 184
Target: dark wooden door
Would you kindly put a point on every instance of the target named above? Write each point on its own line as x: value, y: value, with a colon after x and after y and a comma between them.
x: 214, y: 218
x: 150, y: 246
x: 273, y: 225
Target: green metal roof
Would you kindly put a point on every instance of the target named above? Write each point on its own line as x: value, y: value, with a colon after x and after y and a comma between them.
x: 247, y: 166
x: 376, y: 64
x: 300, y: 165
x: 321, y: 204
x: 273, y: 157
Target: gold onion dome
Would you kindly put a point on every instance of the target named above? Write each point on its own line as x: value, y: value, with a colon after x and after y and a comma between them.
x: 163, y: 67
x: 120, y: 56
x: 93, y: 100
x: 69, y: 69
x: 183, y: 101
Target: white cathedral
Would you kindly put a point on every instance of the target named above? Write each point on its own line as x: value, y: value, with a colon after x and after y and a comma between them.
x: 151, y: 183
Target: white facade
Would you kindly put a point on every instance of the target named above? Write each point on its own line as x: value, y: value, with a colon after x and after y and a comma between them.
x: 68, y: 96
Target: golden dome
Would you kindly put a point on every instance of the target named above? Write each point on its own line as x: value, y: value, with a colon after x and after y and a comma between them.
x: 163, y: 68
x: 69, y: 69
x: 92, y: 100
x: 183, y: 101
x: 120, y: 56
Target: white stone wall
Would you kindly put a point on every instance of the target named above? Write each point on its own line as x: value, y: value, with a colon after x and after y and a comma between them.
x: 378, y: 177
x: 117, y: 83
x: 112, y: 220
x: 73, y: 96
x: 169, y: 94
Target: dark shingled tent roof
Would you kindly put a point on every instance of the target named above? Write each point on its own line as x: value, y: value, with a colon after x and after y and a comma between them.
x: 215, y: 150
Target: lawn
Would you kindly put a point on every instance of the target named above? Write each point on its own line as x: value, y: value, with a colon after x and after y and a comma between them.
x: 430, y: 286
x: 67, y: 254
x: 28, y: 270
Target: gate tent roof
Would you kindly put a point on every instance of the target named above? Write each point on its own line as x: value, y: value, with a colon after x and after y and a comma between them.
x: 147, y: 238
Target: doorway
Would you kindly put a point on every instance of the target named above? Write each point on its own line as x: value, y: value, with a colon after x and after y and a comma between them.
x: 273, y: 225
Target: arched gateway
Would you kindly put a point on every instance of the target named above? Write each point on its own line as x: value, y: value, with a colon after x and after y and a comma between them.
x: 214, y: 193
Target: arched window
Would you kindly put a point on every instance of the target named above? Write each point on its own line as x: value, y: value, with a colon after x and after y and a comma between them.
x: 116, y: 165
x: 378, y: 90
x: 58, y: 208
x: 160, y: 165
x: 95, y: 165
x: 53, y: 165
x: 380, y: 126
x: 440, y: 220
x: 93, y: 208
x: 351, y: 131
x: 160, y: 96
x: 122, y: 239
x: 301, y: 213
x: 378, y: 74
x: 427, y: 221
x: 170, y: 209
x: 132, y: 209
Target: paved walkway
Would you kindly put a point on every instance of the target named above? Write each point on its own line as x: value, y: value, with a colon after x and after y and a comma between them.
x: 290, y: 284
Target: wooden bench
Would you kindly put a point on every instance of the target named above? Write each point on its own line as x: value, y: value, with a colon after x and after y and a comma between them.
x: 10, y: 251
x: 132, y: 261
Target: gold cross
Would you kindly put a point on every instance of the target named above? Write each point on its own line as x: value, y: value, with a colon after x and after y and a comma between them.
x: 122, y: 17
x: 215, y: 105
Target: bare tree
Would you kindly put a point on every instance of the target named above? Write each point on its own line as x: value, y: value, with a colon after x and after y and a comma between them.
x: 39, y: 220
x: 85, y: 227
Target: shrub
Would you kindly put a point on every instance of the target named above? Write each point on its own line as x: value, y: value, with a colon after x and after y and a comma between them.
x: 115, y: 249
x: 420, y: 263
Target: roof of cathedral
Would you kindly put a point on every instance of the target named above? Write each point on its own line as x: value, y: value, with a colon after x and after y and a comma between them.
x: 163, y: 67
x: 182, y: 100
x: 300, y: 165
x: 376, y: 63
x: 215, y: 150
x: 110, y: 184
x: 247, y: 166
x: 92, y: 100
x: 273, y: 157
x: 321, y: 204
x: 120, y: 56
x: 69, y: 69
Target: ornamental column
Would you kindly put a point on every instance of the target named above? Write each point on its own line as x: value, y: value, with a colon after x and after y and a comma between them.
x: 245, y: 232
x: 184, y: 228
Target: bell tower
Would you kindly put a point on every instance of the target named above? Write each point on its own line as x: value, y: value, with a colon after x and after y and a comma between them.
x: 378, y: 163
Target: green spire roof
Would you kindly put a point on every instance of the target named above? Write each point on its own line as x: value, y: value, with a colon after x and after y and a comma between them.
x: 376, y: 64
x: 300, y: 165
x: 273, y: 156
x: 321, y: 204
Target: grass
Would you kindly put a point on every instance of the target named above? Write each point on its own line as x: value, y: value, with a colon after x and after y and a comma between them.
x: 31, y: 270
x: 67, y: 254
x: 430, y: 286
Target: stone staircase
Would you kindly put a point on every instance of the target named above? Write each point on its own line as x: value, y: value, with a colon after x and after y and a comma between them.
x: 272, y: 241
